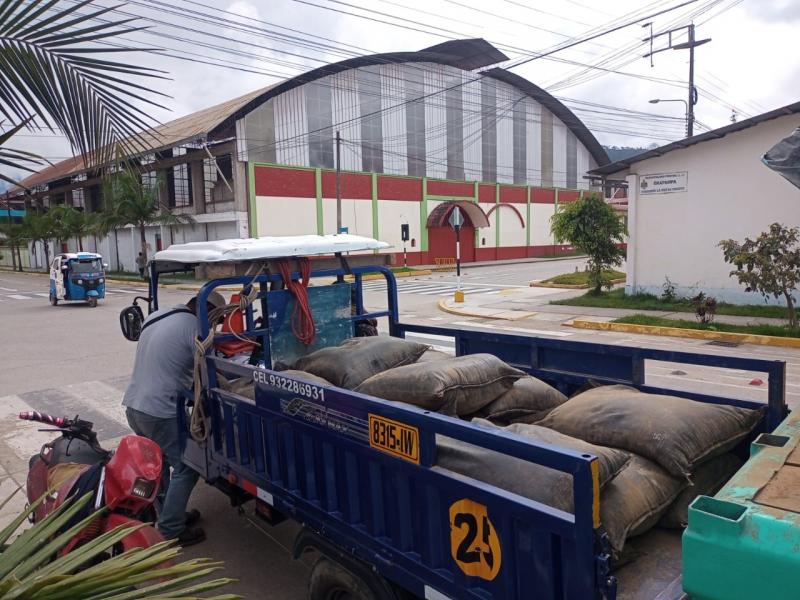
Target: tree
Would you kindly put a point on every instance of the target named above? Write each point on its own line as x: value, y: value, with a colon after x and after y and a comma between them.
x: 12, y: 235
x: 770, y: 264
x: 39, y: 227
x: 71, y: 223
x: 55, y: 72
x: 594, y: 228
x: 133, y: 202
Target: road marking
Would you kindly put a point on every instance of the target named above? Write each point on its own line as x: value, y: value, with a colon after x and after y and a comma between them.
x: 42, y: 294
x: 8, y: 289
x: 18, y: 297
x: 531, y: 332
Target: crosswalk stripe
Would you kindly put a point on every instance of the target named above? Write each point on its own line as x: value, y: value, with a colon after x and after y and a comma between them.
x: 42, y: 295
x: 18, y: 296
x: 478, y: 291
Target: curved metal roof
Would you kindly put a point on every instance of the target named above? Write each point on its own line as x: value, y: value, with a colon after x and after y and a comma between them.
x: 464, y: 54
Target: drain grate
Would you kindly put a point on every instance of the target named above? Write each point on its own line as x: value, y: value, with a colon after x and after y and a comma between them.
x: 724, y: 344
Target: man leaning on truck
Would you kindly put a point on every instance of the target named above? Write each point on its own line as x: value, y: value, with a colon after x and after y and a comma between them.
x: 162, y: 369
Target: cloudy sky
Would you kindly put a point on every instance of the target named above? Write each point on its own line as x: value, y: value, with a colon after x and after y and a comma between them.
x: 750, y: 66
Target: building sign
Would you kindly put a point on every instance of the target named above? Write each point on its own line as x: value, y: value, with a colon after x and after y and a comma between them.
x: 664, y: 183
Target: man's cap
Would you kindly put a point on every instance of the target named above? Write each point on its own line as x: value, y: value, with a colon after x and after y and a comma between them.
x: 215, y: 299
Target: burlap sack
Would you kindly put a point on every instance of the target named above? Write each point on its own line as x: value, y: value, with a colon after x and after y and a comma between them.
x: 455, y: 386
x: 675, y: 432
x: 358, y: 359
x: 527, y: 479
x: 529, y: 400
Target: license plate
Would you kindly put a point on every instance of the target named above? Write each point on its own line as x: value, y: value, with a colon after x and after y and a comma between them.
x: 395, y: 438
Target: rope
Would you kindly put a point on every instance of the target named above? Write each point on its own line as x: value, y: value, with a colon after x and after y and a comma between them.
x: 198, y: 421
x: 302, y: 320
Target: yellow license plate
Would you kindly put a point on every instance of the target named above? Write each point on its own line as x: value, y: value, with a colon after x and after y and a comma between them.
x: 393, y: 437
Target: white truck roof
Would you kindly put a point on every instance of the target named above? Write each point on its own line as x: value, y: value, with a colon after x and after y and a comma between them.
x: 237, y: 250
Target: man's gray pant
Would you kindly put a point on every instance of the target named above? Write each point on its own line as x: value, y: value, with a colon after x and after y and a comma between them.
x: 174, y: 493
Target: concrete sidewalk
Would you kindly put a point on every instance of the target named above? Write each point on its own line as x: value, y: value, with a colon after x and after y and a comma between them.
x: 534, y: 304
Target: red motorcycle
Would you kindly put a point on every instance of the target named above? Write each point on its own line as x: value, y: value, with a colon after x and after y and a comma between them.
x: 124, y: 481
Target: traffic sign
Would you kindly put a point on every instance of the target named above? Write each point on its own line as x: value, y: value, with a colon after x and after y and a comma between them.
x: 456, y: 219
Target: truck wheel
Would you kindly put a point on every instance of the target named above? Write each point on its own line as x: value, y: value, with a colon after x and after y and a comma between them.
x: 329, y: 581
x: 53, y: 300
x: 92, y: 301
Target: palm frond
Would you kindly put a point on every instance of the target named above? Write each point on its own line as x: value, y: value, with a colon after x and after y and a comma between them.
x: 48, y: 71
x: 17, y: 159
x: 30, y: 567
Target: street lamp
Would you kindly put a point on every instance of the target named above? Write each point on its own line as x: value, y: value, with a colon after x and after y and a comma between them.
x: 685, y: 104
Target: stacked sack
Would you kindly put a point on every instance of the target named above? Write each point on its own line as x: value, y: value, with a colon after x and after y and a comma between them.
x: 679, y: 448
x: 656, y: 453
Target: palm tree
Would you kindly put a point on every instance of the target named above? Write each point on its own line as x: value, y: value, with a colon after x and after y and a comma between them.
x: 12, y: 235
x: 135, y: 203
x: 40, y: 227
x: 55, y: 73
x: 70, y: 223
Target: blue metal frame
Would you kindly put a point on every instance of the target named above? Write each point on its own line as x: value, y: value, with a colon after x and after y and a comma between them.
x: 392, y: 513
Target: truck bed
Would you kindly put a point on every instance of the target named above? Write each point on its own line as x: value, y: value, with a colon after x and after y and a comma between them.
x: 307, y: 452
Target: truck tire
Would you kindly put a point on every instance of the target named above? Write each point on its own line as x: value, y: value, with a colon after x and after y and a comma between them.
x: 329, y: 581
x: 92, y: 301
x: 53, y: 300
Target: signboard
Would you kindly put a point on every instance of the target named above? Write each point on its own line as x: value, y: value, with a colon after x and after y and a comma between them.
x: 456, y: 219
x: 664, y: 183
x: 404, y: 232
x: 474, y: 544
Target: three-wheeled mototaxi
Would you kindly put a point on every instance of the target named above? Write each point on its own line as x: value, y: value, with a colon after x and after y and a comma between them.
x: 78, y: 277
x: 392, y: 525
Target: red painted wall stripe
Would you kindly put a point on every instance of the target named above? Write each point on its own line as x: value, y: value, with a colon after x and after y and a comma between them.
x: 542, y: 196
x: 514, y: 195
x: 450, y: 188
x: 565, y: 196
x: 486, y: 193
x: 292, y: 183
x: 354, y: 185
x: 399, y: 188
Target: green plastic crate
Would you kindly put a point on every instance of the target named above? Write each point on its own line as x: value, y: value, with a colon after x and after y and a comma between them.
x: 744, y: 543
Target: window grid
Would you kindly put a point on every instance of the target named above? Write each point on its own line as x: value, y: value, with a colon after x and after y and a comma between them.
x: 520, y: 143
x: 489, y: 130
x: 369, y: 85
x: 454, y: 106
x: 319, y: 114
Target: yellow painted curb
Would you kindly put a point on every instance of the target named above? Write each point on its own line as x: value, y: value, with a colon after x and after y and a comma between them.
x: 697, y: 334
x: 503, y: 315
x: 566, y: 286
x: 401, y: 275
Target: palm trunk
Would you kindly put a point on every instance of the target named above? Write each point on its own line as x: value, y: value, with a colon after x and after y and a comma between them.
x: 80, y: 243
x: 46, y: 254
x: 13, y: 258
x: 143, y: 240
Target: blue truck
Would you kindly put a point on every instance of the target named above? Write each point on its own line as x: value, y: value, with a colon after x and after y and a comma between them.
x: 360, y: 474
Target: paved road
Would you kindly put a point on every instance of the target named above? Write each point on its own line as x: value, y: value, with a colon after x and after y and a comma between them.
x: 72, y: 359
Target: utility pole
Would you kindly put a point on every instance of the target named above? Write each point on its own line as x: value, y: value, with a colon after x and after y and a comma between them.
x: 690, y: 45
x: 338, y: 183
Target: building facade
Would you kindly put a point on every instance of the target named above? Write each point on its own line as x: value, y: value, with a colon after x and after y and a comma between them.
x: 413, y: 131
x: 684, y: 198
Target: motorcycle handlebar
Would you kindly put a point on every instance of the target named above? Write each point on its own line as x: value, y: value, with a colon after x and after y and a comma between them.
x: 34, y: 415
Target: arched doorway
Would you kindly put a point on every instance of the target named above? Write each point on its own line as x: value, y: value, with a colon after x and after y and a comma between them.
x: 442, y: 237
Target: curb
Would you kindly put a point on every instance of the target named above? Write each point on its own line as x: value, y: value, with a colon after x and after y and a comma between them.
x: 570, y: 287
x: 503, y: 315
x: 741, y: 338
x: 401, y: 275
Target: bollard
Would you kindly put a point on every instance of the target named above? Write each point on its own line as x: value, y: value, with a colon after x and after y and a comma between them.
x: 458, y: 296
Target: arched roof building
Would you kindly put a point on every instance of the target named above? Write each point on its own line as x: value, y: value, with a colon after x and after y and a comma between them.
x: 442, y: 113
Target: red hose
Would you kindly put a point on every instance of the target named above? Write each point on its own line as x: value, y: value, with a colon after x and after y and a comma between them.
x: 302, y: 320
